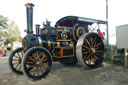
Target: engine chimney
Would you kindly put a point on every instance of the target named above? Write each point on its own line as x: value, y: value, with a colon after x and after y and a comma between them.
x: 37, y: 29
x: 29, y: 9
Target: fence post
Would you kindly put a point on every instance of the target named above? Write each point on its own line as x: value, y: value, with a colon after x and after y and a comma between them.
x: 112, y: 55
x: 125, y: 53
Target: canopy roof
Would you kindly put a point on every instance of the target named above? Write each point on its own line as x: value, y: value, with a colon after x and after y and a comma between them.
x: 70, y: 21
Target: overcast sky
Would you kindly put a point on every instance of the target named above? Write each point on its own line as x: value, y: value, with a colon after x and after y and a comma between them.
x: 56, y: 9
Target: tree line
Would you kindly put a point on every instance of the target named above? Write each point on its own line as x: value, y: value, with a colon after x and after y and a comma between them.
x: 9, y: 30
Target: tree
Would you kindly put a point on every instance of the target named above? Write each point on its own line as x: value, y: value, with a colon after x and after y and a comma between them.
x: 3, y: 21
x: 12, y: 33
x: 3, y: 25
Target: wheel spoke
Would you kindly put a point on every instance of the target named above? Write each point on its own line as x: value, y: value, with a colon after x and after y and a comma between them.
x: 38, y: 56
x: 98, y: 51
x: 85, y: 52
x: 96, y: 57
x: 16, y: 56
x: 37, y: 71
x: 33, y: 55
x: 86, y: 58
x: 98, y: 44
x: 34, y: 72
x: 15, y: 60
x: 41, y: 53
x: 30, y: 69
x: 93, y: 61
x: 87, y: 42
x: 41, y: 69
x: 28, y: 62
x: 19, y: 55
x: 17, y: 66
x: 97, y: 48
x: 15, y: 63
x: 91, y: 44
x: 94, y: 41
x: 43, y: 57
x: 44, y: 60
x: 89, y: 61
x: 94, y: 44
x: 32, y: 66
x: 85, y: 47
x: 32, y: 59
x: 22, y: 53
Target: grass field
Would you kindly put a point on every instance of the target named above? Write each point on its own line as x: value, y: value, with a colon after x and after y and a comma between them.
x: 121, y: 58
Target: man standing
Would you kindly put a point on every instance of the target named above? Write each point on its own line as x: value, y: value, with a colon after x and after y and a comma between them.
x: 100, y: 33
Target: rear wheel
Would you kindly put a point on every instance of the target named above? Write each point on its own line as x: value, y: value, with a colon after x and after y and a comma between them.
x: 15, y: 60
x: 37, y: 63
x: 90, y: 50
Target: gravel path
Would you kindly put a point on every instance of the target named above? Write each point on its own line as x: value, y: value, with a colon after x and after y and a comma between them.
x: 64, y: 75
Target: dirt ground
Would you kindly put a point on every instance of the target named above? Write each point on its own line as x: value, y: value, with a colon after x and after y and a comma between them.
x: 65, y: 75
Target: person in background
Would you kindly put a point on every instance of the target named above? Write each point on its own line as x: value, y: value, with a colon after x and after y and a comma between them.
x: 0, y: 53
x: 100, y: 33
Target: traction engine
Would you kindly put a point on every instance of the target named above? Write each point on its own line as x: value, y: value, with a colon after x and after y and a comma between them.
x: 68, y: 42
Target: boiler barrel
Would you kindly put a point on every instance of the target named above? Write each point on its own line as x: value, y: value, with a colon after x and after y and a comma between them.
x: 48, y: 44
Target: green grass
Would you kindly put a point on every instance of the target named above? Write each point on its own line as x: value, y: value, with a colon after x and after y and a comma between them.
x: 121, y: 58
x: 108, y: 59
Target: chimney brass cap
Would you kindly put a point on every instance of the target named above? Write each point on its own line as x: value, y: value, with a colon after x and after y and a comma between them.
x: 37, y: 25
x: 29, y: 5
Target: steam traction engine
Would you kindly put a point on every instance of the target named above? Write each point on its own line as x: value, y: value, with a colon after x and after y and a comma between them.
x: 68, y: 42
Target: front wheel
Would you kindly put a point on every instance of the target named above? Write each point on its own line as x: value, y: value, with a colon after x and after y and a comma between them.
x: 15, y: 60
x: 37, y: 63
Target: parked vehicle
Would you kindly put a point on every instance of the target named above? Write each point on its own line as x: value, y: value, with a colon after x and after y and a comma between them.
x: 16, y: 45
